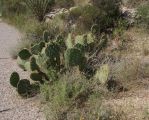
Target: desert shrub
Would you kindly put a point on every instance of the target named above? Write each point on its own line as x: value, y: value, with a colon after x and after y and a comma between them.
x: 81, y: 2
x: 64, y: 3
x: 36, y: 29
x: 11, y: 7
x: 110, y: 12
x: 103, y: 13
x: 88, y: 17
x: 143, y: 12
x: 58, y: 25
x: 134, y: 3
x: 84, y: 17
x: 126, y: 69
x: 23, y: 43
x: 39, y: 7
x: 15, y: 12
x: 64, y: 95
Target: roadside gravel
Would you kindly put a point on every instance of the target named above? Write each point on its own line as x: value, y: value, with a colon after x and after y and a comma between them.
x: 12, y: 106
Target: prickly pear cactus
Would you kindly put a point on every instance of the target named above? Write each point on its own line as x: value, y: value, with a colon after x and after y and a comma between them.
x: 102, y: 74
x: 69, y: 41
x: 33, y: 64
x: 46, y: 36
x: 53, y: 53
x: 27, y: 66
x: 36, y: 77
x: 80, y: 39
x: 23, y: 87
x: 73, y: 57
x: 24, y: 54
x: 37, y: 48
x: 14, y: 79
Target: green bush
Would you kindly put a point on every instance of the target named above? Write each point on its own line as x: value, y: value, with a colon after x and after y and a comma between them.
x: 84, y: 17
x: 143, y: 12
x: 109, y: 12
x: 103, y: 13
x: 60, y: 96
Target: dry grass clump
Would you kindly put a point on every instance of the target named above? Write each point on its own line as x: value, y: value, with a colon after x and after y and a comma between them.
x: 64, y: 3
x: 134, y: 3
x: 145, y: 49
x: 81, y: 2
x: 126, y: 69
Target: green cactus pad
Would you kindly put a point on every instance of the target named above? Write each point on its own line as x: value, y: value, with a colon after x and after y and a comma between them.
x: 36, y: 77
x: 46, y: 36
x: 27, y: 66
x: 69, y: 41
x: 36, y: 49
x: 24, y: 54
x: 73, y: 57
x: 52, y: 50
x: 102, y: 74
x: 80, y: 39
x: 14, y: 79
x: 23, y: 87
x: 53, y: 53
x: 33, y: 64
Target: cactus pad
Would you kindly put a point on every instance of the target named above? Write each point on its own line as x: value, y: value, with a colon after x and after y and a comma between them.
x: 24, y: 54
x: 73, y: 57
x: 36, y: 49
x: 23, y: 86
x: 33, y: 64
x: 80, y: 39
x: 53, y: 53
x: 102, y: 74
x: 14, y: 79
x: 36, y: 77
x: 46, y: 36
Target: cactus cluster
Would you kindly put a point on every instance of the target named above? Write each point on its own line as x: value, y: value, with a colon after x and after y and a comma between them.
x: 74, y: 57
x: 22, y: 86
x: 46, y: 55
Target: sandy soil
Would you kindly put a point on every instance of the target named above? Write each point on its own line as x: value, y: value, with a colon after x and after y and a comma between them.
x: 12, y: 106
